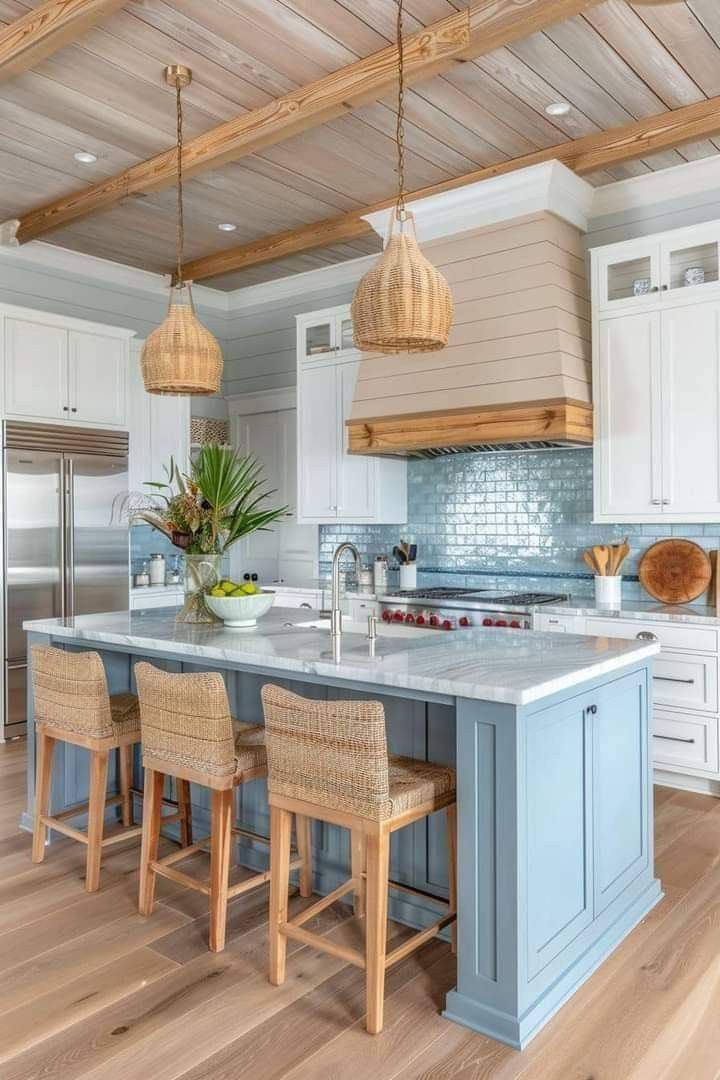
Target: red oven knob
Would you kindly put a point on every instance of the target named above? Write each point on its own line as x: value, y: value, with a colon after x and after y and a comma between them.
x: 501, y: 622
x: 398, y: 617
x: 487, y: 622
x: 515, y: 625
x: 387, y: 616
x: 464, y: 621
x: 434, y: 621
x: 447, y: 625
x: 410, y: 618
x: 420, y: 621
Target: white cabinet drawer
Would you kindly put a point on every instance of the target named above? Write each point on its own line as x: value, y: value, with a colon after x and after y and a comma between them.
x: 360, y: 609
x: 671, y: 635
x: 685, y: 742
x: 685, y: 681
x: 559, y: 624
x: 308, y: 599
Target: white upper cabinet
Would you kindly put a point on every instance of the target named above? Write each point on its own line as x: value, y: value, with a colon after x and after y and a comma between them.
x: 678, y: 267
x: 334, y: 486
x: 656, y: 379
x: 159, y: 429
x: 36, y: 369
x: 63, y: 370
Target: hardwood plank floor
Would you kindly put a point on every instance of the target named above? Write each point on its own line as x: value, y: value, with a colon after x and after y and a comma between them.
x: 92, y: 990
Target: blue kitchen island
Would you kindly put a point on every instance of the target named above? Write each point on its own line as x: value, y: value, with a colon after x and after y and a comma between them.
x: 550, y: 737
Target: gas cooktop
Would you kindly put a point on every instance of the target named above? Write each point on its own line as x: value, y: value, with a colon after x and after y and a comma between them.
x: 474, y: 598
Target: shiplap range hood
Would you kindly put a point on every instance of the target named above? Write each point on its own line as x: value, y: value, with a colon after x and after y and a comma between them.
x: 516, y: 372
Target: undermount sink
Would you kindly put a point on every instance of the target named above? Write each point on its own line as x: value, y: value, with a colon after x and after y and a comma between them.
x: 352, y: 627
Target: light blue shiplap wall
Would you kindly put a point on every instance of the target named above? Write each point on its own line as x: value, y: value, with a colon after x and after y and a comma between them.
x: 521, y: 520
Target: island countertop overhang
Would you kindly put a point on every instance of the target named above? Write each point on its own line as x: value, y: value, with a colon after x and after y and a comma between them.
x: 505, y: 666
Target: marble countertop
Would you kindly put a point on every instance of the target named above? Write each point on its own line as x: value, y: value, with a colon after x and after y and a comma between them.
x: 488, y: 665
x: 634, y: 609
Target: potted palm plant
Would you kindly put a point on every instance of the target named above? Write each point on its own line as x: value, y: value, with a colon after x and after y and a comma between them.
x: 206, y: 511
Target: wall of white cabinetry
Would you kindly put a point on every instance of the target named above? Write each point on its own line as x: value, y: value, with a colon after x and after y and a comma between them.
x: 334, y: 486
x: 62, y: 370
x: 656, y: 379
x: 686, y: 709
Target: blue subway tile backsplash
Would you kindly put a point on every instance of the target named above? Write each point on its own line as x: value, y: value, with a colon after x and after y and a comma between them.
x: 514, y: 519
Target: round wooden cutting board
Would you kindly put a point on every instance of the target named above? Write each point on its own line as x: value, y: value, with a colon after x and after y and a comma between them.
x: 675, y: 571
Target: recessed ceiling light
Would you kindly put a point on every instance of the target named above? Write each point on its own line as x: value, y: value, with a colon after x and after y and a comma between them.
x: 557, y: 108
x: 85, y: 156
x: 227, y: 226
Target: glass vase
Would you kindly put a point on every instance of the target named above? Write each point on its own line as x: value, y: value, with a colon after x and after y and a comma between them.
x: 201, y: 573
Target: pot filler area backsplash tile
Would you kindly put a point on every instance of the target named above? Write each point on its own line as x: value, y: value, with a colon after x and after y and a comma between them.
x: 516, y: 520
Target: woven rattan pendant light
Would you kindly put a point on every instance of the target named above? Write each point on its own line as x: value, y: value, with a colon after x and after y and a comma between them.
x: 181, y: 356
x: 403, y: 304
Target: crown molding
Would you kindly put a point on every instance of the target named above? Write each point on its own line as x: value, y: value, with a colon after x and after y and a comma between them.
x: 308, y: 283
x: 549, y: 186
x: 50, y: 258
x: 646, y: 193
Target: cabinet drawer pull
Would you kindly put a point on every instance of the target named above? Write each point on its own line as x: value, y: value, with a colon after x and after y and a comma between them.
x: 669, y: 678
x: 645, y: 635
x: 655, y: 502
x: 306, y: 605
x: 673, y: 738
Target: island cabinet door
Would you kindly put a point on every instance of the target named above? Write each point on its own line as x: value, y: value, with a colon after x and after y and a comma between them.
x: 620, y: 786
x: 558, y: 843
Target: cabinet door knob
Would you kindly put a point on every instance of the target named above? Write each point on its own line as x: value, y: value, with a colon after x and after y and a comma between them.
x: 665, y: 288
x: 655, y: 502
x: 666, y: 502
x: 654, y: 289
x: 592, y: 709
x: 66, y: 408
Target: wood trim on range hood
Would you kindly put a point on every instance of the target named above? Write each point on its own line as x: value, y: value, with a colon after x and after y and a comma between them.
x: 558, y: 423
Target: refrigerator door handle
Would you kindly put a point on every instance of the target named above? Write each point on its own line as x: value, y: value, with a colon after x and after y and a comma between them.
x: 63, y: 539
x: 16, y: 665
x: 70, y: 534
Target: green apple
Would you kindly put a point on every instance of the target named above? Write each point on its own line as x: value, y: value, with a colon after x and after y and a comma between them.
x: 249, y: 589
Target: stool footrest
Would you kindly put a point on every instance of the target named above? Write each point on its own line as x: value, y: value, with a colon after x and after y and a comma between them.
x: 62, y: 827
x: 181, y: 878
x: 253, y: 882
x: 183, y: 853
x: 418, y: 892
x: 310, y: 912
x: 317, y: 941
x: 419, y: 939
x: 250, y: 835
x: 125, y: 834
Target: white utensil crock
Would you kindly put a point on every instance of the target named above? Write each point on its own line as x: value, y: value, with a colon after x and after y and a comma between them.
x: 408, y: 575
x: 608, y: 590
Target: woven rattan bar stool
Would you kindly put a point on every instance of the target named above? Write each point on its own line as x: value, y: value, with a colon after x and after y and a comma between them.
x: 188, y: 732
x: 329, y: 760
x: 72, y: 705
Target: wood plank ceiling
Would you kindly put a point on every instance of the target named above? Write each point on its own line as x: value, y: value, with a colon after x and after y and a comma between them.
x: 104, y: 93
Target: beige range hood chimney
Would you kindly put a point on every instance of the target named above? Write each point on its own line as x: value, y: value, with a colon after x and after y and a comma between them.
x: 516, y: 372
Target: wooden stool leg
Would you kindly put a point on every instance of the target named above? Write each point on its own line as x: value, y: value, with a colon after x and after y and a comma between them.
x: 185, y: 811
x: 152, y: 808
x: 96, y: 817
x: 451, y: 840
x: 378, y: 872
x: 303, y: 830
x: 220, y: 845
x: 280, y: 829
x: 43, y: 784
x: 358, y: 852
x: 125, y: 761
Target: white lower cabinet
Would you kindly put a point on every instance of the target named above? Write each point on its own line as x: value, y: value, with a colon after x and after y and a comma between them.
x: 686, y: 706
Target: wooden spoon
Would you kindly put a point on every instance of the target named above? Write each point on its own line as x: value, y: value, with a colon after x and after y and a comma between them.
x: 587, y: 556
x: 623, y: 552
x: 602, y: 554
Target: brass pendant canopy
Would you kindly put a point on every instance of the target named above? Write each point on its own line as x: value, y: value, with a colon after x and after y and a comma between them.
x: 181, y: 357
x: 403, y: 304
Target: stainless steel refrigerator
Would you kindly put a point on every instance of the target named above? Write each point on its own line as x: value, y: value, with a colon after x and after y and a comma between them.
x: 63, y: 553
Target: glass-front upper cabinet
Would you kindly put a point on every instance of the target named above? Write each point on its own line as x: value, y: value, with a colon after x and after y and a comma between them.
x: 326, y: 332
x: 676, y: 266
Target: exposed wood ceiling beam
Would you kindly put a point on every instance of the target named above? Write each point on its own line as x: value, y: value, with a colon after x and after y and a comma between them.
x: 485, y: 26
x: 45, y: 29
x: 586, y: 155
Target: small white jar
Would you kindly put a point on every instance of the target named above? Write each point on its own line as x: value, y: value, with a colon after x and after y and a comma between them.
x: 608, y: 590
x: 157, y: 569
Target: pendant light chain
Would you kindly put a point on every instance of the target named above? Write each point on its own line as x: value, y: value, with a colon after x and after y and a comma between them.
x: 180, y: 219
x: 400, y: 127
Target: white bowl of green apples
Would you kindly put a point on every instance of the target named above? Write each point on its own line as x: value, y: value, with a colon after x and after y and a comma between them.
x: 238, y: 605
